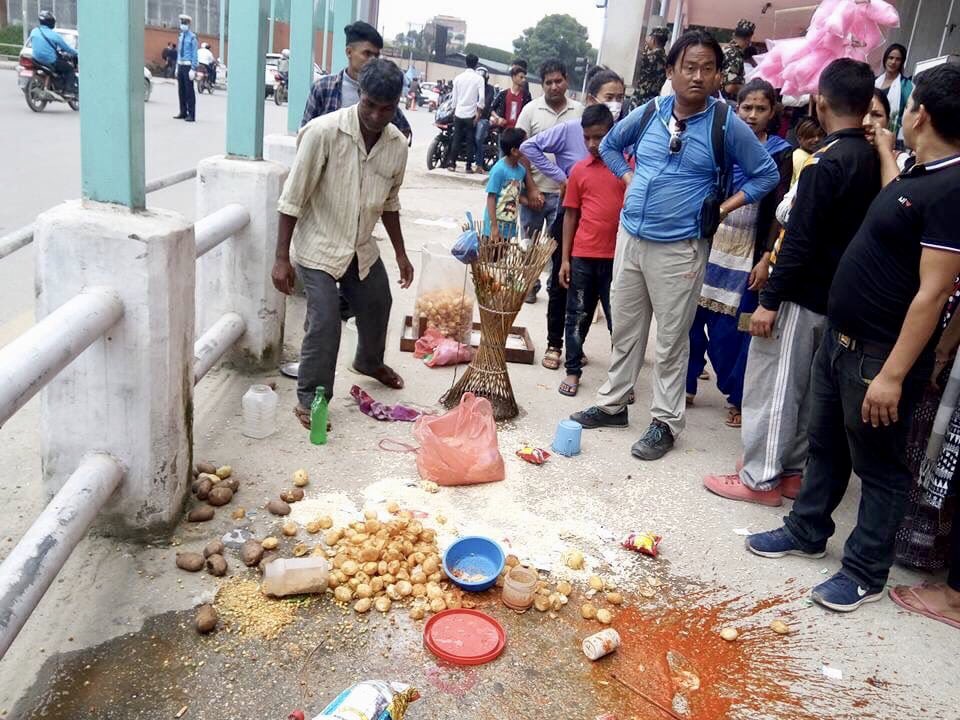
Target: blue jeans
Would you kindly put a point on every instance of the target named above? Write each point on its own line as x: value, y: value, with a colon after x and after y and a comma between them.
x: 532, y: 221
x: 590, y: 280
x: 839, y: 441
x: 483, y: 129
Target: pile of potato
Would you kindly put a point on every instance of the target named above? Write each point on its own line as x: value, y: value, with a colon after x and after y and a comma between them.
x: 214, y: 485
x: 449, y: 311
x: 375, y: 564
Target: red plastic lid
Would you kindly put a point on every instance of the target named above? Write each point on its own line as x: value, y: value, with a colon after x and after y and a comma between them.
x: 464, y: 637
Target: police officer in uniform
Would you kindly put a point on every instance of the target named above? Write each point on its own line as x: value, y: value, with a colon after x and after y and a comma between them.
x: 651, y: 68
x: 733, y: 59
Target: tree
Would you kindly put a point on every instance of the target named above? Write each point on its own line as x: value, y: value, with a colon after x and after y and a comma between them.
x: 555, y: 36
x: 489, y: 53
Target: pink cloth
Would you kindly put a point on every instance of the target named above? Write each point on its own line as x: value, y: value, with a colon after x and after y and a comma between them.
x: 839, y: 28
x: 379, y: 411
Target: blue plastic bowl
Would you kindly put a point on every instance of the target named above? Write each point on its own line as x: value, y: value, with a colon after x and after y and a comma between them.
x: 478, y: 558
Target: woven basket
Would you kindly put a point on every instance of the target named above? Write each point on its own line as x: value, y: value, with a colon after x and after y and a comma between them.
x: 502, y: 275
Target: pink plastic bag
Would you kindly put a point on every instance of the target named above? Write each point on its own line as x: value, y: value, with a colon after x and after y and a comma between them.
x: 449, y: 352
x: 460, y: 447
x: 427, y: 342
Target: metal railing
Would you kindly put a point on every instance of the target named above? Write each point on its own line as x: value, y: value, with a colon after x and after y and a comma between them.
x: 21, y: 237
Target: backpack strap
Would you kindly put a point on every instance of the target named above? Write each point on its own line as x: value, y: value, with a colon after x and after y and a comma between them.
x: 649, y: 109
x: 718, y: 134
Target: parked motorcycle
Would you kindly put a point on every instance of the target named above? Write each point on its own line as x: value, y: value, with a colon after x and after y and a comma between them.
x: 45, y: 87
x: 203, y: 80
x: 280, y: 88
x: 438, y: 154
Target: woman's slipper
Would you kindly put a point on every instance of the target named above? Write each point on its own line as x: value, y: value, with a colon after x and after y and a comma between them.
x: 551, y: 359
x: 734, y: 418
x: 904, y: 595
x: 569, y: 389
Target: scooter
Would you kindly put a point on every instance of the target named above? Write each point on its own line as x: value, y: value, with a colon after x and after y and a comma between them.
x: 280, y: 88
x: 438, y: 154
x: 45, y: 87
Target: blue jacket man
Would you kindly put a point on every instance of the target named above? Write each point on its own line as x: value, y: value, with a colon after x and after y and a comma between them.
x: 661, y: 254
x: 186, y: 65
x: 49, y: 47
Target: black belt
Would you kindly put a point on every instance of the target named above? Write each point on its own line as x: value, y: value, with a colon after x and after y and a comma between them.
x: 870, y: 348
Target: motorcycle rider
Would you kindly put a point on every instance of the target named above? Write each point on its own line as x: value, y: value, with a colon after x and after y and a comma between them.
x: 205, y: 57
x: 186, y: 70
x: 483, y: 122
x: 49, y: 48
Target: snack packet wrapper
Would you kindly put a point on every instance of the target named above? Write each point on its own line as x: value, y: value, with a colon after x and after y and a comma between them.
x: 645, y: 543
x: 534, y: 456
x: 372, y: 699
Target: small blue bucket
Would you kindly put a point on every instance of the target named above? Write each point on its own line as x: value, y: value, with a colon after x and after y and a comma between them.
x: 473, y: 563
x: 567, y: 440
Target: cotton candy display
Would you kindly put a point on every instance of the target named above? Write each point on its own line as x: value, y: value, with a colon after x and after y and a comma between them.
x: 839, y: 29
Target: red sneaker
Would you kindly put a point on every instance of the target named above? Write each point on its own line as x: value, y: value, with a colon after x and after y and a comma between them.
x: 790, y: 483
x: 730, y: 487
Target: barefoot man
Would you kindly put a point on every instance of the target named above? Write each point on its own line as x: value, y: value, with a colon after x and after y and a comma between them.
x: 346, y: 176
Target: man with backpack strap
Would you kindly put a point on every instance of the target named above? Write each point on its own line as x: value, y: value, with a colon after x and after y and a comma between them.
x: 684, y: 148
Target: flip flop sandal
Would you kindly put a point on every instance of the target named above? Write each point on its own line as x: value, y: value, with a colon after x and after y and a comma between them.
x: 734, y: 418
x: 631, y: 398
x: 551, y: 359
x: 303, y: 415
x: 924, y: 609
x: 568, y: 389
x: 385, y: 375
x: 703, y: 376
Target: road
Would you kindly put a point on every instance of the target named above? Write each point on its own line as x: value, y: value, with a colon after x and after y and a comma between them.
x: 41, y: 152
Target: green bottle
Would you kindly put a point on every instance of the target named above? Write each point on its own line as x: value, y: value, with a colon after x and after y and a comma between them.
x: 318, y: 418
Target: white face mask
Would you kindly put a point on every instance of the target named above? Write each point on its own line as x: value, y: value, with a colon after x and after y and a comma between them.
x: 615, y: 107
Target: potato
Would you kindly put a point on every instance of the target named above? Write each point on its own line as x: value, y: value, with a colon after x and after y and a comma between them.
x: 224, y: 471
x: 206, y: 618
x: 251, y: 552
x: 605, y: 616
x: 217, y: 565
x: 214, y: 479
x: 290, y: 529
x: 729, y: 634
x: 382, y: 604
x: 220, y: 495
x: 300, y: 549
x: 362, y: 605
x: 343, y: 594
x: 204, y: 487
x: 292, y: 495
x: 614, y: 598
x: 300, y: 478
x: 574, y: 560
x: 326, y: 522
x: 239, y: 514
x: 278, y: 507
x: 232, y: 483
x: 588, y: 611
x: 190, y: 561
x: 313, y: 527
x: 200, y: 514
x: 564, y: 588
x: 206, y: 467
x: 214, y: 547
x: 269, y: 543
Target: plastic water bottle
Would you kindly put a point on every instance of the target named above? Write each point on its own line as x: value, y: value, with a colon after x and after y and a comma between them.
x: 294, y: 576
x: 318, y: 418
x: 259, y: 411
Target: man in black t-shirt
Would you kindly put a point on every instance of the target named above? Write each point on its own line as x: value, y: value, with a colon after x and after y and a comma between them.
x: 882, y: 317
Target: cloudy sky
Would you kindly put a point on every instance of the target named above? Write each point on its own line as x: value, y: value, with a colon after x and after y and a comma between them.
x: 489, y: 22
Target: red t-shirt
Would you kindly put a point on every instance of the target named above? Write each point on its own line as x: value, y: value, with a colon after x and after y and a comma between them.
x: 598, y: 194
x: 513, y: 104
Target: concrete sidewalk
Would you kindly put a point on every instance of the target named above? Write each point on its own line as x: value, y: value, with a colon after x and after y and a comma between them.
x: 114, y: 638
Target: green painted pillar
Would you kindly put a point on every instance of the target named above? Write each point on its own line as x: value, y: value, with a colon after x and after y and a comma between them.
x: 323, y: 37
x: 301, y: 60
x: 273, y: 19
x: 248, y: 45
x: 111, y: 108
x: 343, y: 15
x: 222, y: 48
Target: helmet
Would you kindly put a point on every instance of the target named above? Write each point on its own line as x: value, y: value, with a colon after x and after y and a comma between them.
x: 285, y: 53
x: 186, y: 19
x: 47, y: 18
x: 483, y: 71
x: 206, y: 45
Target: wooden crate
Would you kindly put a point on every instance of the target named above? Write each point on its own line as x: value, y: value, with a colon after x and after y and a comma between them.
x: 524, y: 356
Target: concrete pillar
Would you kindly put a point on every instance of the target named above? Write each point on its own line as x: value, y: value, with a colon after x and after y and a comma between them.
x: 235, y: 276
x: 623, y: 36
x: 111, y: 114
x: 130, y: 394
x: 280, y: 149
x: 343, y: 15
